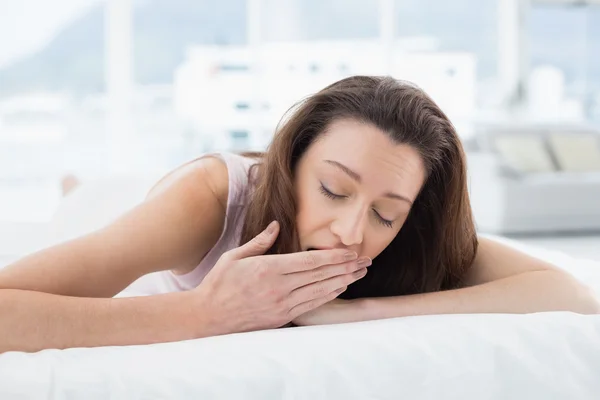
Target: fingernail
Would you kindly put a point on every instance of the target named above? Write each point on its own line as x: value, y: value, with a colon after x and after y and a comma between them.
x: 271, y: 228
x: 364, y: 262
x: 360, y: 273
x: 351, y: 255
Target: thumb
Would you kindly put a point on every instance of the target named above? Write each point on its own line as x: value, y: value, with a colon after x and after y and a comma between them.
x: 259, y: 243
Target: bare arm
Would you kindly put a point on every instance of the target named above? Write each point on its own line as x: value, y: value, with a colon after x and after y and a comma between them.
x: 60, y: 296
x: 173, y: 228
x: 32, y: 321
x: 501, y: 280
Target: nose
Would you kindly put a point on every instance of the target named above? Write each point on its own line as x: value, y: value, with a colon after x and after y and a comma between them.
x: 349, y: 226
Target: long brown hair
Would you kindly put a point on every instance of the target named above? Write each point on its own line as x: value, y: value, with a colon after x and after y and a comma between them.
x: 438, y: 241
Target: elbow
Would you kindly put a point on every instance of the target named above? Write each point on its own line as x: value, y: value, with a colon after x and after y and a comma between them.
x: 586, y: 299
x: 590, y: 302
x: 570, y: 294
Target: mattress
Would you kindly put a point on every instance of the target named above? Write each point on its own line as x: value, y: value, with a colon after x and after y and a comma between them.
x: 553, y: 355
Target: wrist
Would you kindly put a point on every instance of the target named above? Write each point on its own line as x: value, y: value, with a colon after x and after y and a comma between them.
x: 384, y: 307
x: 199, y: 319
x: 369, y: 308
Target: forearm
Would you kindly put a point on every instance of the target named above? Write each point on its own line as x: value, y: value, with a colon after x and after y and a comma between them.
x: 535, y: 291
x: 31, y: 321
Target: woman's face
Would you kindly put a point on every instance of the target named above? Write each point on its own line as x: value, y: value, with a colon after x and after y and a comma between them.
x: 354, y: 188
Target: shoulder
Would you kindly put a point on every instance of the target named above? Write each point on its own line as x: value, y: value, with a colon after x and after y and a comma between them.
x: 194, y: 197
x: 195, y: 177
x: 497, y: 258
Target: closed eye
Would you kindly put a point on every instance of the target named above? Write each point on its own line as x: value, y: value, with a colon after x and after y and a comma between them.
x: 385, y: 222
x: 328, y: 193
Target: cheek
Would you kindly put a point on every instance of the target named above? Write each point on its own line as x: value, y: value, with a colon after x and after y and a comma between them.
x: 307, y: 206
x: 315, y: 212
x: 312, y: 207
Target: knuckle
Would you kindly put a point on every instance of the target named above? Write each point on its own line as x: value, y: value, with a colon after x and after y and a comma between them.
x: 282, y: 303
x: 309, y: 261
x: 227, y: 256
x: 319, y: 290
x: 261, y: 241
x: 278, y: 295
x: 261, y: 268
x: 350, y: 267
x: 318, y: 274
x: 273, y: 295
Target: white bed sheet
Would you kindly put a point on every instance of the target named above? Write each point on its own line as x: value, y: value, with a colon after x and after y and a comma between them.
x: 536, y: 356
x: 541, y: 356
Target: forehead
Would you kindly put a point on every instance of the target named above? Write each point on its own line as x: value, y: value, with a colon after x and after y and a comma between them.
x: 369, y: 151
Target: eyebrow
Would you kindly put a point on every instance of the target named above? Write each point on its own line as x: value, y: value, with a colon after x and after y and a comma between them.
x: 354, y: 175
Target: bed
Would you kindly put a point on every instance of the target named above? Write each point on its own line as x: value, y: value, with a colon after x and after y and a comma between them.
x: 489, y: 356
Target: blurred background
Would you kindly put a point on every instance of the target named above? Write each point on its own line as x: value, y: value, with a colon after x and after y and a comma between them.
x: 94, y: 90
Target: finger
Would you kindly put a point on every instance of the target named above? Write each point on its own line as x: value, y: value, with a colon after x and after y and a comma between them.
x: 259, y: 244
x: 310, y: 305
x: 309, y: 260
x: 303, y: 278
x: 321, y: 289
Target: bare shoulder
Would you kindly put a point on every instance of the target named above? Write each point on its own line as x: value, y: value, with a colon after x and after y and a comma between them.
x: 204, y: 173
x: 180, y: 220
x: 202, y: 187
x: 497, y: 260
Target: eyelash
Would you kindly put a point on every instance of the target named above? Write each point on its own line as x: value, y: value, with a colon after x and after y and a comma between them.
x: 334, y: 196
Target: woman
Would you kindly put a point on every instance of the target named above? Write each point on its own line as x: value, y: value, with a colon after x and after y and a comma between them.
x: 358, y: 210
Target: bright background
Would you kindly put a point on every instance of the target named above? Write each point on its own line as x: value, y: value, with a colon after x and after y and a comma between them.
x: 103, y: 88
